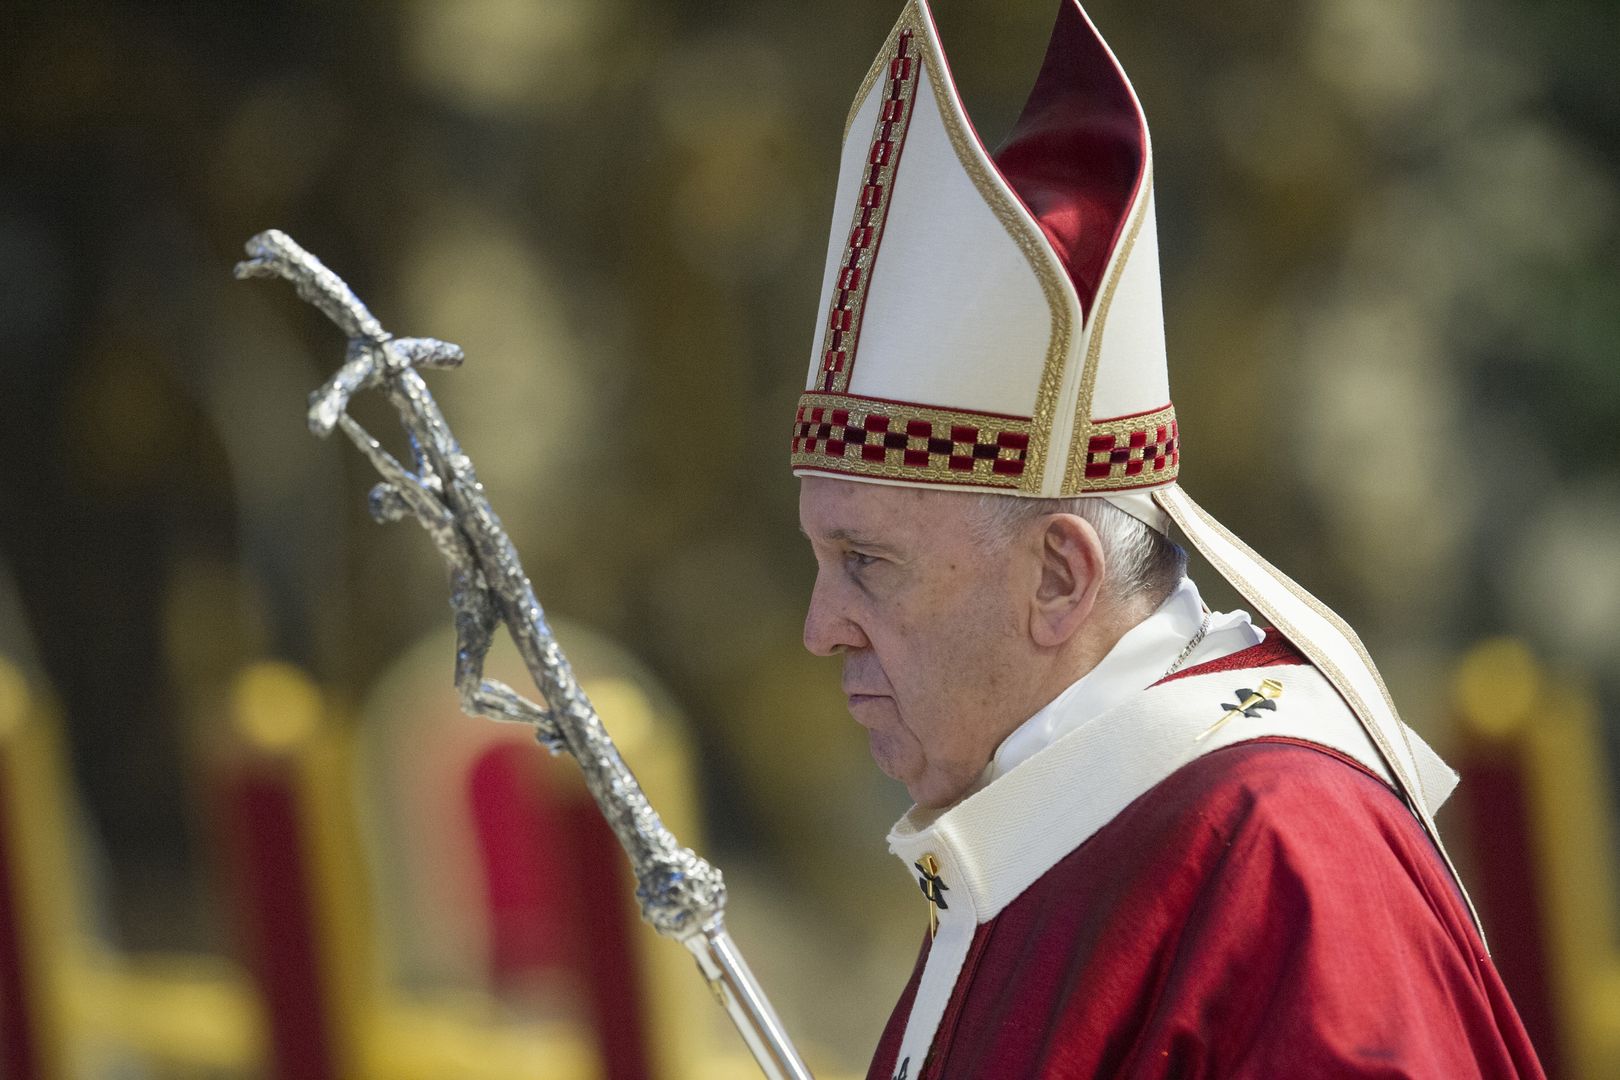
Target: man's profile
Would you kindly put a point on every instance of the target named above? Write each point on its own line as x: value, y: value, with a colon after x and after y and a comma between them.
x: 1154, y: 840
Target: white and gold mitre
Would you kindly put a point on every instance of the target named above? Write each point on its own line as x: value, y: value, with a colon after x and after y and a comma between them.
x: 990, y: 321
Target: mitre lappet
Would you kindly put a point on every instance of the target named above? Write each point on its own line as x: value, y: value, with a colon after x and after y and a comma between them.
x: 992, y: 322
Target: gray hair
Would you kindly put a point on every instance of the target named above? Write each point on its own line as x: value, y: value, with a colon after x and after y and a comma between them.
x: 1142, y: 563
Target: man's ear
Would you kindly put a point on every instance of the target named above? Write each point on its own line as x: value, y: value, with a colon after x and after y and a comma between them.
x: 1071, y: 576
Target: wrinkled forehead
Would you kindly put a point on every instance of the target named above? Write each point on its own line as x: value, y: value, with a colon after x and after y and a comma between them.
x: 839, y: 509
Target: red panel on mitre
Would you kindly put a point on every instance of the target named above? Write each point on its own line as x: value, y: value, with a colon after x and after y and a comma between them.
x: 1079, y: 151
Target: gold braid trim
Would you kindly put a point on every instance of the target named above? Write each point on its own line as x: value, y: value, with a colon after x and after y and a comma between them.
x: 907, y: 18
x: 1032, y: 243
x: 908, y: 442
x: 1075, y: 480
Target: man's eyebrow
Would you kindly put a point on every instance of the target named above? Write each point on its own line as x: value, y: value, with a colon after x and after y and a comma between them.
x: 850, y: 537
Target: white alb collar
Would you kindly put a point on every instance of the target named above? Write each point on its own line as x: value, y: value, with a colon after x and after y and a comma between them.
x: 1136, y: 662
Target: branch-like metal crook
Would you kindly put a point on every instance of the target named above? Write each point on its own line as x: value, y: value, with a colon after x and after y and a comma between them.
x: 682, y: 896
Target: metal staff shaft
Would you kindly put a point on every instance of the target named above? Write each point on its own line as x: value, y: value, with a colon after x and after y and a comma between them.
x: 734, y: 986
x: 682, y: 896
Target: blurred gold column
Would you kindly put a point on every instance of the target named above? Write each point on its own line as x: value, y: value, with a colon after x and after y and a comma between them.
x: 73, y: 1004
x: 36, y: 906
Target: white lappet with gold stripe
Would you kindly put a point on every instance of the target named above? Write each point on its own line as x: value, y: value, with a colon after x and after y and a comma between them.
x: 992, y: 322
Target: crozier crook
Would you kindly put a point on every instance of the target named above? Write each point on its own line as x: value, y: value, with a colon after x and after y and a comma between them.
x: 681, y: 895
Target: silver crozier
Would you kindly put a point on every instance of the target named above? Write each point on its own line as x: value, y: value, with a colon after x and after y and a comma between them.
x: 681, y: 895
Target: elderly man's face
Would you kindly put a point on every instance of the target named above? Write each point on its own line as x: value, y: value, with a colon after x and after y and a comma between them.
x: 929, y: 622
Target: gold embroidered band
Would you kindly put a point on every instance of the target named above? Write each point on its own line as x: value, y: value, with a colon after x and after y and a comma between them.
x: 1132, y: 451
x: 855, y: 272
x: 901, y: 441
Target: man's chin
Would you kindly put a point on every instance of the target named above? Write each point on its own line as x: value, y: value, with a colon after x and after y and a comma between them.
x: 935, y: 791
x: 926, y: 790
x: 897, y: 758
x: 891, y: 760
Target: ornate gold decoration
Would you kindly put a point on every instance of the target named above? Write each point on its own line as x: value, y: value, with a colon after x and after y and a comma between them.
x: 1249, y: 701
x: 1031, y: 242
x: 1075, y: 481
x: 1056, y: 289
x: 909, y: 442
x: 933, y: 888
x: 1130, y: 452
x: 842, y: 332
x: 908, y: 18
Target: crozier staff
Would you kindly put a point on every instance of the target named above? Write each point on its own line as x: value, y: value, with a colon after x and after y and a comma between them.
x: 1154, y: 840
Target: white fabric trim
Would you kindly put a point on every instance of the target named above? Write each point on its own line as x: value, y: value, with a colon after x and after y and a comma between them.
x: 1140, y: 505
x: 1136, y: 662
x: 946, y: 956
x: 997, y: 842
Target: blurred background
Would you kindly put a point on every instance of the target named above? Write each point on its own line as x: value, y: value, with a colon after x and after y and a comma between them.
x: 1389, y: 235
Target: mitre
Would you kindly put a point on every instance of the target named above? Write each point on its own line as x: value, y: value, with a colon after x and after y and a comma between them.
x: 992, y: 322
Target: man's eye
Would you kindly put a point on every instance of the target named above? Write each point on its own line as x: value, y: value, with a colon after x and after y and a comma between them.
x: 859, y: 559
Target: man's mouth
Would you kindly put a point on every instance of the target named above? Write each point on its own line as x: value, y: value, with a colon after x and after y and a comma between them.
x: 861, y: 705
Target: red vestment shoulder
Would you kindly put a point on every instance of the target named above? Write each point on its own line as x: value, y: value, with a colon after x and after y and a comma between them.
x: 1269, y: 910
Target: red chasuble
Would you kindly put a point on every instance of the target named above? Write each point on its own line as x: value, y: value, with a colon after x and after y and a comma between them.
x: 1269, y: 910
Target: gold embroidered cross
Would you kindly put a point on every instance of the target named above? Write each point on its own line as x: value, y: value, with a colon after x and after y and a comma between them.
x: 1250, y: 702
x: 934, y: 889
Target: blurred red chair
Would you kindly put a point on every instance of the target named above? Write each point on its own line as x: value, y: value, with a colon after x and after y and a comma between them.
x: 499, y: 848
x: 303, y: 893
x: 1538, y: 798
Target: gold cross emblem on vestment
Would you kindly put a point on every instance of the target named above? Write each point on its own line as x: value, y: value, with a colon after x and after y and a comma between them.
x: 1250, y: 702
x: 934, y: 889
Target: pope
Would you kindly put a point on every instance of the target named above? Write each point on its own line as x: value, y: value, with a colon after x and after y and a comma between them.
x: 1154, y: 840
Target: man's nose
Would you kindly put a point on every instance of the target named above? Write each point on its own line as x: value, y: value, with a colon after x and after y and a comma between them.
x: 828, y: 629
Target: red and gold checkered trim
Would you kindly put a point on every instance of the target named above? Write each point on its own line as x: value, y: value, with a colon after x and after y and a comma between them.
x: 871, y: 211
x: 900, y: 441
x: 1133, y: 451
x: 915, y: 443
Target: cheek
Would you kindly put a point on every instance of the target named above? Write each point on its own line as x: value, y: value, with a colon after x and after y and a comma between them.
x: 956, y: 669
